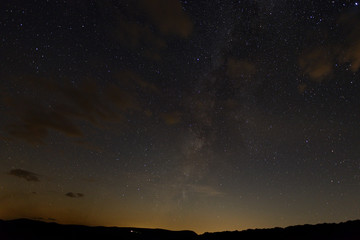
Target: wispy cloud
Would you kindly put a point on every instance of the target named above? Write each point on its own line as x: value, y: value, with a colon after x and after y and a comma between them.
x: 168, y: 16
x: 59, y: 106
x: 319, y: 62
x: 204, y: 190
x: 74, y: 195
x: 28, y: 176
x: 171, y: 118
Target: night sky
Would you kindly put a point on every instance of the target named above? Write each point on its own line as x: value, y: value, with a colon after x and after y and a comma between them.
x: 199, y: 115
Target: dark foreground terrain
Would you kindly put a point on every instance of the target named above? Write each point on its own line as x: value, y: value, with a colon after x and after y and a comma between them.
x: 30, y: 229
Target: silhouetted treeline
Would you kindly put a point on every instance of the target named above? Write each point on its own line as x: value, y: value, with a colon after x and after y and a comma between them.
x: 26, y: 229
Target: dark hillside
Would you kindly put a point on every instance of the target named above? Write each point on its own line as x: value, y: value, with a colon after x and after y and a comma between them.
x: 348, y: 230
x: 30, y: 230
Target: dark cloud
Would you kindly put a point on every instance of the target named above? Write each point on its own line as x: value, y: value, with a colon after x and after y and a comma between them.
x: 35, y: 120
x: 352, y: 55
x: 132, y: 34
x: 124, y: 93
x: 125, y: 27
x: 168, y: 16
x: 240, y: 71
x: 239, y: 68
x: 351, y: 49
x: 28, y: 176
x: 302, y: 87
x: 85, y: 102
x: 204, y: 190
x: 164, y: 18
x: 74, y: 195
x: 171, y: 118
x: 319, y: 62
x: 45, y: 105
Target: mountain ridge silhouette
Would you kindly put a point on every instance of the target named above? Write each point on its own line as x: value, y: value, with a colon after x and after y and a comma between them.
x: 35, y: 229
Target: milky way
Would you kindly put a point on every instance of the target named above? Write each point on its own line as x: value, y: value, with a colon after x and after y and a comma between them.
x: 201, y: 115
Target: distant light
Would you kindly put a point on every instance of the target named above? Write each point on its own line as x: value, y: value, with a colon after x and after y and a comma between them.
x: 356, y: 4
